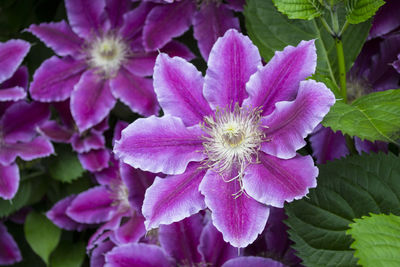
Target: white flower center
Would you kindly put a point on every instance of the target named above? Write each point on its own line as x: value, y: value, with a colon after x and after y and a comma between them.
x: 107, y: 54
x: 120, y: 195
x: 233, y: 140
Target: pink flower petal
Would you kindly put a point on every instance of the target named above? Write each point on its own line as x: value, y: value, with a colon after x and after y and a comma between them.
x: 55, y: 79
x: 131, y: 231
x: 233, y: 59
x: 160, y: 145
x: 241, y: 219
x: 211, y: 22
x: 291, y: 122
x: 9, y: 251
x: 91, y: 100
x: 253, y: 261
x: 274, y: 181
x: 178, y: 85
x: 279, y: 79
x: 173, y: 198
x: 92, y: 206
x: 12, y: 53
x: 136, y: 92
x: 93, y: 140
x: 9, y: 182
x: 94, y: 160
x: 85, y: 16
x: 165, y: 22
x: 115, y: 11
x: 59, y: 37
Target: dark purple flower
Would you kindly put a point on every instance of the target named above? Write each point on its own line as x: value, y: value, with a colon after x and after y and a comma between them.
x: 210, y: 20
x: 13, y: 80
x: 19, y: 138
x: 9, y: 251
x: 102, y: 59
x: 229, y: 140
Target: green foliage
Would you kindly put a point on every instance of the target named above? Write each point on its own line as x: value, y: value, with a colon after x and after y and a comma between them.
x: 41, y: 234
x: 271, y: 31
x: 68, y: 254
x: 360, y: 10
x: 377, y: 240
x: 372, y: 117
x: 299, y: 9
x: 30, y: 191
x: 65, y: 166
x: 348, y: 188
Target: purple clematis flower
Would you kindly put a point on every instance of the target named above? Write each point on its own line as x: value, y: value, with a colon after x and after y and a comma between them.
x: 228, y: 141
x: 102, y: 59
x: 19, y: 138
x: 9, y: 251
x: 13, y: 80
x: 210, y: 20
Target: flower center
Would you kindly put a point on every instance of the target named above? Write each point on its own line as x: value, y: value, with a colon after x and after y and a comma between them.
x: 233, y: 140
x: 121, y: 195
x: 107, y: 54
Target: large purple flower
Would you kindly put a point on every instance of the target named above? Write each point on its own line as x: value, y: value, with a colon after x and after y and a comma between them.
x: 102, y: 59
x: 229, y: 140
x: 210, y: 20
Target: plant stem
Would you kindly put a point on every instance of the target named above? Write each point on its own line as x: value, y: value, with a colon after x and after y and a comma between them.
x: 346, y: 24
x: 327, y: 27
x: 350, y: 145
x: 342, y: 67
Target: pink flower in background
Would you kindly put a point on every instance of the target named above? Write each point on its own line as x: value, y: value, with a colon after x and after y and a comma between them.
x: 228, y: 141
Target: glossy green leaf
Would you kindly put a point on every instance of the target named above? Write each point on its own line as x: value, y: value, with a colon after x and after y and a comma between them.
x: 373, y: 117
x: 68, y: 254
x: 360, y: 10
x: 347, y: 189
x: 271, y: 31
x: 42, y: 235
x: 299, y: 9
x: 377, y: 240
x: 65, y: 166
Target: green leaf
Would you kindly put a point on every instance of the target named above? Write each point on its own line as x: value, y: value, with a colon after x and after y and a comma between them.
x: 373, y: 117
x: 42, y: 235
x: 377, y: 240
x: 348, y: 188
x: 271, y: 31
x: 65, y: 166
x: 299, y: 9
x: 360, y: 10
x: 68, y: 254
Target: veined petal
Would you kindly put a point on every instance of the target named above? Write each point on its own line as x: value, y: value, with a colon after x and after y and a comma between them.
x: 97, y: 258
x: 94, y: 160
x: 59, y: 37
x: 14, y: 88
x: 328, y: 145
x: 55, y: 79
x: 131, y: 231
x: 279, y: 79
x: 9, y: 251
x: 9, y: 182
x: 12, y: 53
x: 165, y: 22
x: 181, y: 239
x: 82, y: 144
x: 253, y: 262
x: 178, y: 85
x: 134, y: 20
x: 55, y: 132
x: 115, y: 11
x: 12, y: 94
x: 274, y: 181
x: 213, y: 248
x: 91, y: 100
x: 368, y: 146
x: 160, y: 145
x: 211, y: 22
x: 58, y: 215
x: 138, y: 255
x: 20, y: 120
x: 173, y: 198
x: 240, y: 219
x: 291, y: 122
x: 85, y: 16
x: 233, y: 59
x: 37, y: 148
x: 92, y: 206
x: 136, y: 92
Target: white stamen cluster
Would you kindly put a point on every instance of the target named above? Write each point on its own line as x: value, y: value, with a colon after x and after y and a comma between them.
x: 107, y: 54
x: 233, y: 140
x: 121, y: 196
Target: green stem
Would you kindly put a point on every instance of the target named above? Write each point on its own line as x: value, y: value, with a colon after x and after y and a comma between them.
x: 342, y: 68
x: 346, y: 24
x: 326, y: 26
x: 350, y: 145
x: 335, y: 22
